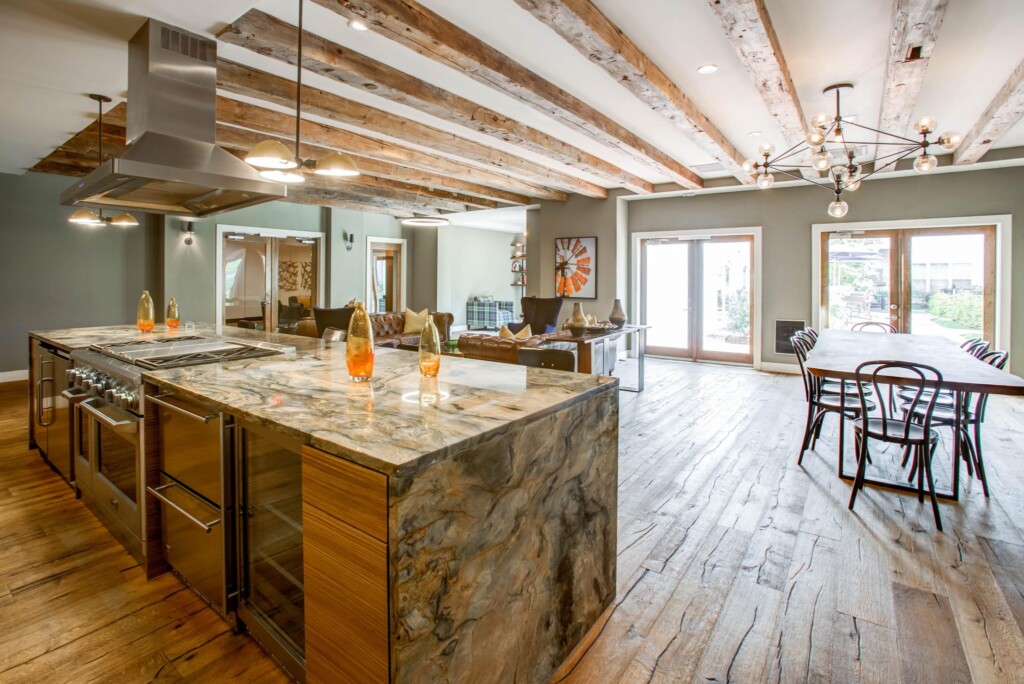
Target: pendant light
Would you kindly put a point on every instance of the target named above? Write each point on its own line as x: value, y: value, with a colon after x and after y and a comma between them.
x: 88, y: 217
x: 425, y: 221
x: 277, y: 163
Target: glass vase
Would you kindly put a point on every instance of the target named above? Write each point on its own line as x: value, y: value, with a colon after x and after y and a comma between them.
x: 359, y: 345
x: 617, y: 316
x: 430, y: 349
x: 173, y: 318
x: 144, y: 315
x: 578, y: 321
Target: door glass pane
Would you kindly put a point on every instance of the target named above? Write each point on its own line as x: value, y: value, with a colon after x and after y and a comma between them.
x: 245, y: 281
x: 947, y: 285
x: 116, y: 461
x: 667, y: 294
x: 296, y: 272
x: 274, y: 536
x: 725, y: 305
x: 858, y: 280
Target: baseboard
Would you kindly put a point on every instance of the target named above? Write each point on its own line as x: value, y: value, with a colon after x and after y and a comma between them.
x: 13, y: 376
x: 770, y: 367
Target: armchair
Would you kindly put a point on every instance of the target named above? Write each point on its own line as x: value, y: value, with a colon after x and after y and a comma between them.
x: 540, y: 313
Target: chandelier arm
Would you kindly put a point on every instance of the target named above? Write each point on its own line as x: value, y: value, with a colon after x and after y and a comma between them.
x: 898, y: 154
x: 785, y: 155
x: 891, y: 135
x: 877, y: 169
x: 801, y: 178
x: 871, y: 142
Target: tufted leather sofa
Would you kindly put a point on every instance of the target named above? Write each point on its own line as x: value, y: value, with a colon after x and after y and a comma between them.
x: 388, y: 328
x: 494, y: 348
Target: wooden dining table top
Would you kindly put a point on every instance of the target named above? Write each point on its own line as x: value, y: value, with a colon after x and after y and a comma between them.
x: 838, y: 353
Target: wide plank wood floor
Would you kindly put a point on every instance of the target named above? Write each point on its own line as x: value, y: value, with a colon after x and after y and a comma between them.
x: 735, y: 564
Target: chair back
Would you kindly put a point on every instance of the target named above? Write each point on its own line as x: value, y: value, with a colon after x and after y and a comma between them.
x: 557, y: 359
x: 811, y: 333
x: 873, y: 326
x: 925, y: 382
x: 332, y: 318
x: 978, y: 348
x: 996, y: 359
x: 541, y: 313
x: 802, y: 346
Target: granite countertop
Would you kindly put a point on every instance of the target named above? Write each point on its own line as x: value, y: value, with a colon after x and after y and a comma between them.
x: 396, y: 424
x: 79, y: 338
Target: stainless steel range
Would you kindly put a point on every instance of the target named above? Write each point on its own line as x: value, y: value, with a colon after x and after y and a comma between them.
x: 109, y: 431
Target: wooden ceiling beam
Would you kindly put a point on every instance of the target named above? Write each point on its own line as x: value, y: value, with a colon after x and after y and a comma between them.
x: 1005, y: 110
x: 752, y: 34
x: 501, y: 187
x: 583, y: 26
x: 267, y: 35
x: 416, y: 27
x: 915, y: 28
x: 242, y: 80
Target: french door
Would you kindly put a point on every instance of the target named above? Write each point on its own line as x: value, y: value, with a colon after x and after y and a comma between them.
x: 696, y: 296
x: 929, y: 281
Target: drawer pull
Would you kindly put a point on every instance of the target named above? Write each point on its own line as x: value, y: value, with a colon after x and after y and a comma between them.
x: 158, y: 493
x: 159, y: 400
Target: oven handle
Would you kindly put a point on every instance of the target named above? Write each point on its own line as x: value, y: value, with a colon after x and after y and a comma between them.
x: 159, y: 400
x: 158, y: 493
x: 110, y: 422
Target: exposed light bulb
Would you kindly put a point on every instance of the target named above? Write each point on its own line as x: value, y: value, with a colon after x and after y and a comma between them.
x: 838, y: 209
x: 821, y: 120
x: 925, y: 163
x: 766, y: 149
x: 926, y: 124
x: 765, y: 181
x: 852, y: 183
x: 950, y: 140
x: 821, y: 161
x: 283, y: 176
x: 815, y: 138
x: 838, y: 173
x: 749, y: 166
x: 837, y: 135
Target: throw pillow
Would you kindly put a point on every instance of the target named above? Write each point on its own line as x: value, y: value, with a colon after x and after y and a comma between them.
x: 506, y: 334
x: 414, y: 322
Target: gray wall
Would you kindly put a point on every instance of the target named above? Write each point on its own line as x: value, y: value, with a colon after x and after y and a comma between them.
x: 423, y: 282
x: 786, y: 215
x: 54, y: 274
x: 472, y: 262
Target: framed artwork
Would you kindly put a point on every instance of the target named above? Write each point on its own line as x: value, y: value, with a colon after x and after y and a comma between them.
x: 576, y: 267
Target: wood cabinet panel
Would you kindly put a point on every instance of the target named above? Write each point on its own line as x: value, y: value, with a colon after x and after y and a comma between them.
x: 347, y: 491
x: 346, y: 603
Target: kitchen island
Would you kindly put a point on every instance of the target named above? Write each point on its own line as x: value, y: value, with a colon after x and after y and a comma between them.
x: 457, y: 529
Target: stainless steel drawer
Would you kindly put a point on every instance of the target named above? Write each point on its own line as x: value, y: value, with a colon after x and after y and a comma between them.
x: 193, y: 538
x: 191, y: 446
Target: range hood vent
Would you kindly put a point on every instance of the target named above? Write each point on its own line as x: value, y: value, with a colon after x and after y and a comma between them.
x: 172, y: 164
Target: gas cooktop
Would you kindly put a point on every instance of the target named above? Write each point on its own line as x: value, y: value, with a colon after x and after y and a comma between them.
x: 190, y: 350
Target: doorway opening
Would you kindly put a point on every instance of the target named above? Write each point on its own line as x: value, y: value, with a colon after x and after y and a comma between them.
x: 268, y: 281
x: 697, y: 296
x: 927, y: 281
x: 386, y: 273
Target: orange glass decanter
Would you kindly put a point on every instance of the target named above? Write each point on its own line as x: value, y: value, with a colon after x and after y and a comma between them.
x: 144, y: 315
x: 430, y: 349
x: 359, y: 345
x: 173, y: 318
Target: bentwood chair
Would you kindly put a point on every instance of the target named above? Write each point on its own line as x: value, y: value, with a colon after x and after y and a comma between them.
x: 829, y: 386
x: 873, y: 326
x: 820, y: 403
x: 917, y: 436
x: 971, y: 418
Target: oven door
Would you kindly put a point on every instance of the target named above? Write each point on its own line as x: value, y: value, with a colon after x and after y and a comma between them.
x: 114, y: 456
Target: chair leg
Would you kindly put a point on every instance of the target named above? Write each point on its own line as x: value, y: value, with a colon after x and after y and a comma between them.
x: 817, y: 427
x: 929, y: 452
x: 921, y: 468
x: 979, y: 463
x: 862, y: 463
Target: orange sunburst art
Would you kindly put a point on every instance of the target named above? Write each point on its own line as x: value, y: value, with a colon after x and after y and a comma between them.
x: 575, y: 267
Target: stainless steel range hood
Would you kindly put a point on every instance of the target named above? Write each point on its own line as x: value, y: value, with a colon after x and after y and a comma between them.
x: 172, y: 165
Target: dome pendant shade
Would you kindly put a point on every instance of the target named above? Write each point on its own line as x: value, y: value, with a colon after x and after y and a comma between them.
x: 124, y: 220
x: 337, y: 164
x: 271, y: 154
x: 283, y: 176
x: 85, y: 217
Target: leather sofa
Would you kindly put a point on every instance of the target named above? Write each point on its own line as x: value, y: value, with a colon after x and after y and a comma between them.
x: 494, y: 348
x: 388, y: 328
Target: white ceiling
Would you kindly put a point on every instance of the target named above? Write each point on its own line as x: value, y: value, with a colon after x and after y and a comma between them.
x: 56, y: 51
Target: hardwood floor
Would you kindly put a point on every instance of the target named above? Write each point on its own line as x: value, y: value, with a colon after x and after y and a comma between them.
x: 735, y: 564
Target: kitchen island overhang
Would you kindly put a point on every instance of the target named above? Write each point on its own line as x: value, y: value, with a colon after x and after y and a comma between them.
x: 475, y: 511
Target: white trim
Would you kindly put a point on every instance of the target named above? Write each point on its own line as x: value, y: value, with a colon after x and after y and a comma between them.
x: 264, y: 232
x: 369, y: 270
x: 1004, y: 264
x: 755, y: 231
x: 13, y: 376
x: 773, y: 367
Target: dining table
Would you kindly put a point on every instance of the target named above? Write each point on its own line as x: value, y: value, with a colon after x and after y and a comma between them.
x: 838, y: 353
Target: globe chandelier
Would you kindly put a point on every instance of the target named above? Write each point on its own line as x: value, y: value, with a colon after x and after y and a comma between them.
x: 832, y: 148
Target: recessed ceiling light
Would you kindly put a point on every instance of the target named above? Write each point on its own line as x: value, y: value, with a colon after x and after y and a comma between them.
x: 707, y: 69
x: 358, y: 25
x: 754, y: 134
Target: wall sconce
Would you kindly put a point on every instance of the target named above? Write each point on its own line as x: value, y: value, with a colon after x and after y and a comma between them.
x: 190, y: 233
x: 349, y: 239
